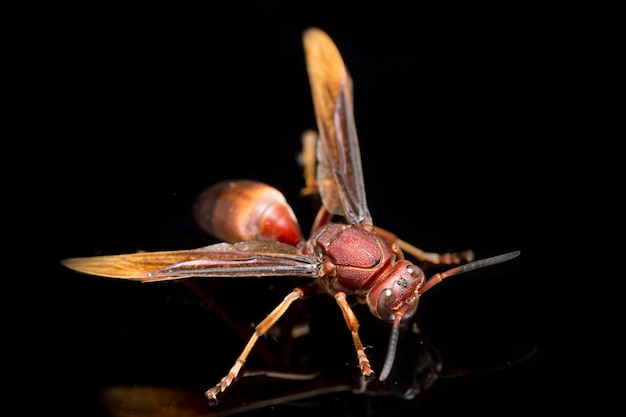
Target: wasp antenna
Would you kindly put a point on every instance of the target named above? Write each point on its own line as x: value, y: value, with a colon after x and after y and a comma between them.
x: 391, y: 349
x: 481, y: 263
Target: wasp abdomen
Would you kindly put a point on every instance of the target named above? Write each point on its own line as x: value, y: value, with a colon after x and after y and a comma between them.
x: 240, y: 210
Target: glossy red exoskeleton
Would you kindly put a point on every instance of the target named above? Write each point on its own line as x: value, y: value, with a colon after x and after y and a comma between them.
x: 345, y: 255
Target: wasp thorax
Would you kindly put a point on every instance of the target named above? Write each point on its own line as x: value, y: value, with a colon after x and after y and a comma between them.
x: 241, y: 210
x: 397, y: 290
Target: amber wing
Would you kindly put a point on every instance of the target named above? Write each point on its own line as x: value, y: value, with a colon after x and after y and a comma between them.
x: 340, y: 176
x: 244, y: 259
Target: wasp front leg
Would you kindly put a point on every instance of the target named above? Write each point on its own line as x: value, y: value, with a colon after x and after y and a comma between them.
x: 353, y: 326
x: 449, y: 258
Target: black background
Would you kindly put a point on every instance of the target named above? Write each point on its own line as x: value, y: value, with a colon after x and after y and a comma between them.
x: 477, y: 128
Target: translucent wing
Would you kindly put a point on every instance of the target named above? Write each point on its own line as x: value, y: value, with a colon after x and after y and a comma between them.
x: 243, y: 259
x: 339, y: 174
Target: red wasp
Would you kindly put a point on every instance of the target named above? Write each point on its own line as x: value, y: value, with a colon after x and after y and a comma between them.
x: 345, y: 255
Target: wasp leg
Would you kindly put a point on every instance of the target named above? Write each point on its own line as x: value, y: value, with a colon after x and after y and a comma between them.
x: 308, y: 160
x: 259, y: 330
x: 353, y: 325
x: 451, y: 258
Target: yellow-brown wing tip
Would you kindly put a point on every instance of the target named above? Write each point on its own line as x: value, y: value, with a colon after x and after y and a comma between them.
x: 322, y: 55
x: 313, y: 33
x: 116, y: 266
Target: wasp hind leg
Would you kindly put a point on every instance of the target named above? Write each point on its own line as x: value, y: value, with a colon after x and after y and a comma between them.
x: 262, y: 328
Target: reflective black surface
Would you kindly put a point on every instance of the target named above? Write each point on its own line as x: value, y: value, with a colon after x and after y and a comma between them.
x: 454, y: 110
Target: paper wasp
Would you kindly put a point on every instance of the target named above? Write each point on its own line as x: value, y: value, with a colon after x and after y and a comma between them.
x: 345, y: 255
